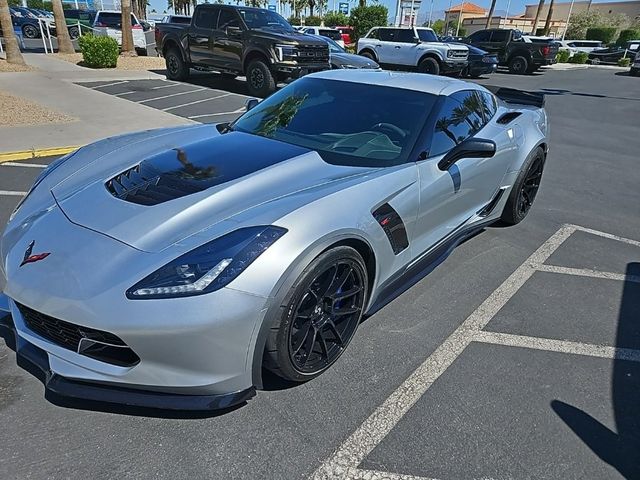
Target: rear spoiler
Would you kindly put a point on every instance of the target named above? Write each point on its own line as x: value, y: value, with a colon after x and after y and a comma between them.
x: 521, y: 97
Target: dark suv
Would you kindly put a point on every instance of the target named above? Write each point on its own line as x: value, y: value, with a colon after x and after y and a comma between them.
x: 254, y: 42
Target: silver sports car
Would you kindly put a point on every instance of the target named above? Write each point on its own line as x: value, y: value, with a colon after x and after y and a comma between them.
x: 167, y: 268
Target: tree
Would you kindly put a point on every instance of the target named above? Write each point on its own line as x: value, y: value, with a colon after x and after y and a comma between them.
x: 491, y: 10
x: 64, y: 41
x: 127, y: 33
x: 538, y: 12
x: 580, y: 22
x: 363, y: 19
x: 437, y: 26
x: 547, y: 24
x: 332, y: 19
x: 13, y: 50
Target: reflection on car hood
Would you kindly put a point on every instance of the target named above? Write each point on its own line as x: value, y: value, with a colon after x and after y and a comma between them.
x: 356, y: 61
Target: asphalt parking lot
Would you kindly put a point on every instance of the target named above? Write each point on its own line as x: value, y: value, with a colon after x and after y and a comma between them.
x: 518, y: 357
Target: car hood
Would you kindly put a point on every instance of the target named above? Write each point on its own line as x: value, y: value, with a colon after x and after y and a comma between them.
x: 287, y: 38
x: 356, y: 61
x: 151, y: 194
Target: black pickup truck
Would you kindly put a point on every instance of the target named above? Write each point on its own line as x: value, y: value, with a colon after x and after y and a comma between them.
x: 253, y: 42
x: 513, y: 50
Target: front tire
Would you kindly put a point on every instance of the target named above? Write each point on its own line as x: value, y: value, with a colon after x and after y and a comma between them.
x: 177, y: 69
x: 260, y: 81
x: 319, y: 316
x: 429, y: 65
x: 74, y: 33
x: 518, y: 65
x: 29, y: 31
x: 368, y: 54
x: 525, y: 189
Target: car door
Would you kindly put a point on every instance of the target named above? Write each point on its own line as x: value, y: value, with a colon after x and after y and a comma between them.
x: 450, y: 198
x: 480, y: 39
x: 405, y: 47
x: 202, y: 36
x: 384, y: 47
x: 227, y: 46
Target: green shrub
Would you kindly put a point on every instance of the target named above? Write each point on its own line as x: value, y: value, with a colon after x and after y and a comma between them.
x: 627, y: 35
x: 363, y: 19
x: 579, y: 57
x: 563, y: 56
x: 99, y: 51
x: 624, y: 62
x: 313, y: 21
x: 604, y: 34
x: 294, y: 20
x: 333, y: 19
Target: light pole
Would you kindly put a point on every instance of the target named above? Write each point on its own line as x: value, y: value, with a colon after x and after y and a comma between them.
x: 446, y: 23
x: 459, y: 18
x: 568, y: 19
x: 506, y: 14
x: 430, y: 13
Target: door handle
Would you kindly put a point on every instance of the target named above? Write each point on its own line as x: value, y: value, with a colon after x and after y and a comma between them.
x: 396, y: 47
x: 378, y: 45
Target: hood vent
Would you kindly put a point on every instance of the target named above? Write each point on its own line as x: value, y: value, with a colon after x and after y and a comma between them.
x: 508, y: 118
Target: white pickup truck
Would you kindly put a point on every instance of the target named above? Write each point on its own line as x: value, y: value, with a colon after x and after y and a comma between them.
x: 412, y: 48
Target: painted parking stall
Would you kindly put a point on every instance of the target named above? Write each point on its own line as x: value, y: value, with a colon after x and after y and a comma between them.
x: 15, y: 180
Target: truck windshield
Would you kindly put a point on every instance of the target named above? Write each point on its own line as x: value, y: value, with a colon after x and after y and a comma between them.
x: 336, y: 119
x: 264, y: 19
x: 427, y: 35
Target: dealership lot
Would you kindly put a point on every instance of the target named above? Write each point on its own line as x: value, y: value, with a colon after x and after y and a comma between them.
x: 518, y: 357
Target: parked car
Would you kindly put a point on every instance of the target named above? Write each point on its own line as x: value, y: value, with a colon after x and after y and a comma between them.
x: 331, y: 33
x: 347, y: 34
x: 188, y: 260
x: 563, y: 46
x: 180, y: 19
x: 79, y: 21
x: 480, y: 63
x: 27, y: 21
x: 111, y: 20
x: 635, y: 66
x: 512, y: 50
x: 340, y: 58
x: 586, y: 46
x: 611, y: 55
x: 254, y: 42
x: 412, y: 48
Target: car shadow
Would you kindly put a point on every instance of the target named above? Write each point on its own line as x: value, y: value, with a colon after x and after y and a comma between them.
x: 619, y: 448
x: 560, y: 91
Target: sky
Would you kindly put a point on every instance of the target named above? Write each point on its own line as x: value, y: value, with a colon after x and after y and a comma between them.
x: 439, y: 6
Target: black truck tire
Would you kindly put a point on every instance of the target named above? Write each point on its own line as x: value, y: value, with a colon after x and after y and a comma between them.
x: 260, y: 80
x: 429, y: 65
x: 518, y: 65
x: 177, y: 68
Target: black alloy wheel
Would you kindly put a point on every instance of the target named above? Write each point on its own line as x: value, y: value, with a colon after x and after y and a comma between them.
x: 518, y: 65
x: 260, y: 80
x: 74, y: 33
x: 29, y: 31
x: 530, y: 186
x: 326, y: 317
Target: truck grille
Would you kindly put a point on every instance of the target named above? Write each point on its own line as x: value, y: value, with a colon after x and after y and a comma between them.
x: 313, y: 54
x: 459, y: 54
x: 103, y: 346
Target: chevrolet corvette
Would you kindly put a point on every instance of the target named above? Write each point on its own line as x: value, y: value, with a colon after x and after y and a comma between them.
x: 169, y: 268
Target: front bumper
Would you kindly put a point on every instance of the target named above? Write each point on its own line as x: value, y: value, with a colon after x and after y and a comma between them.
x: 297, y: 70
x: 36, y: 360
x: 453, y: 66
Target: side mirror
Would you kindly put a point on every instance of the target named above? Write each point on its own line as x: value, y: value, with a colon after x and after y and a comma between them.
x: 417, y: 40
x: 471, y: 148
x: 251, y: 103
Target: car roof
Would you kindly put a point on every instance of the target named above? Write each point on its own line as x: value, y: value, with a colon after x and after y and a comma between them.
x: 419, y: 82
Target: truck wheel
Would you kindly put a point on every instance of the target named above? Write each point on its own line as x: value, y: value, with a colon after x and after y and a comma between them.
x: 177, y: 69
x: 429, y: 65
x: 260, y: 81
x: 368, y: 54
x: 518, y: 65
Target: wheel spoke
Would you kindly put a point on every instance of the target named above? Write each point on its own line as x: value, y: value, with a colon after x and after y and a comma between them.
x: 336, y: 333
x: 323, y: 345
x: 304, y: 339
x: 339, y: 281
x: 341, y: 312
x: 346, y: 294
x: 309, y: 351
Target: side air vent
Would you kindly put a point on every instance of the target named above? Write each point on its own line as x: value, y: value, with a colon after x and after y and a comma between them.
x: 488, y: 208
x: 508, y: 117
x: 393, y: 227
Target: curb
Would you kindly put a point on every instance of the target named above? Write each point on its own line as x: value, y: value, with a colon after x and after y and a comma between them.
x: 35, y: 153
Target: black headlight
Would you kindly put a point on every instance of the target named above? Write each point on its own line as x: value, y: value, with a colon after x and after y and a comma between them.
x: 208, y: 267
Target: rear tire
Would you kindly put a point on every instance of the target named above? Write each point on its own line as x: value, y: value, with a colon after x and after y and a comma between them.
x: 524, y: 189
x: 260, y: 81
x: 177, y: 69
x: 74, y: 33
x: 518, y: 65
x: 29, y: 31
x: 314, y: 328
x: 369, y: 55
x: 429, y: 65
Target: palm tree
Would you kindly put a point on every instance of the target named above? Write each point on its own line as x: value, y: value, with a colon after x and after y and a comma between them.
x: 547, y: 24
x: 64, y: 41
x: 538, y: 12
x: 127, y: 33
x: 493, y: 7
x: 442, y: 125
x: 13, y: 50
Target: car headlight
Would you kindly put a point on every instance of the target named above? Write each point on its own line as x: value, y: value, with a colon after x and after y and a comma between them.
x: 44, y: 174
x: 286, y: 51
x: 208, y: 267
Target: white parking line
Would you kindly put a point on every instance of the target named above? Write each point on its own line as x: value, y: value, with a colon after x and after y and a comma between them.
x: 561, y: 346
x: 143, y: 91
x: 240, y: 110
x: 173, y: 95
x: 20, y: 164
x: 12, y: 194
x: 361, y: 474
x: 375, y: 428
x: 110, y: 84
x: 197, y: 101
x: 586, y: 272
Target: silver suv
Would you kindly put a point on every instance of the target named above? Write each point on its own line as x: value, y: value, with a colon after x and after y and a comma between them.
x: 412, y: 48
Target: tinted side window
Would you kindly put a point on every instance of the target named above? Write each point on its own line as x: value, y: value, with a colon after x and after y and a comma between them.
x: 207, y: 18
x: 405, y: 35
x: 481, y: 36
x: 71, y: 14
x: 499, y: 36
x: 226, y: 19
x: 373, y: 34
x: 473, y: 107
x: 454, y: 125
x: 386, y: 34
x: 489, y: 104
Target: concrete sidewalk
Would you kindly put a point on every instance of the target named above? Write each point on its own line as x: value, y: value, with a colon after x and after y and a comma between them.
x: 98, y: 115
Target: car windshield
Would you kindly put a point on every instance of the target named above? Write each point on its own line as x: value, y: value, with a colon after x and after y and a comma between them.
x: 333, y: 46
x: 264, y: 19
x: 427, y: 35
x: 336, y: 119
